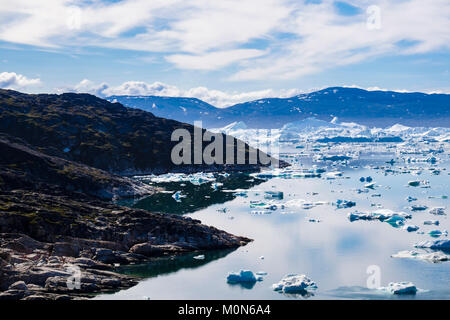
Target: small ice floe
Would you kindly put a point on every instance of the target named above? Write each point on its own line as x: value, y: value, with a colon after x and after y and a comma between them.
x: 400, y: 288
x: 178, y: 195
x: 67, y: 149
x: 243, y: 276
x: 437, y: 233
x: 260, y: 212
x: 216, y: 185
x: 273, y: 194
x: 376, y: 195
x: 370, y: 185
x: 303, y: 204
x: 418, y: 183
x: 200, y: 257
x: 385, y: 215
x: 340, y: 204
x: 439, y: 211
x: 418, y: 208
x: 263, y: 205
x: 293, y: 283
x: 411, y: 228
x: 431, y: 222
x: 436, y: 244
x: 334, y: 175
x: 411, y: 199
x: 433, y: 257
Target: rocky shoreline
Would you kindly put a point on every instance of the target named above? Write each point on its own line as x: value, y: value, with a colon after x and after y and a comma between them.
x: 84, y: 249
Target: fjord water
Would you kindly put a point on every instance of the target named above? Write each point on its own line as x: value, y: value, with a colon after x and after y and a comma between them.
x: 333, y: 252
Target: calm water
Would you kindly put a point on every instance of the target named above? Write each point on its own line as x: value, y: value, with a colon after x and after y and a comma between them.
x: 334, y: 252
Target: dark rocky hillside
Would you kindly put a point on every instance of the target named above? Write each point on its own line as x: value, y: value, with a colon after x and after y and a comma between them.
x: 95, y: 132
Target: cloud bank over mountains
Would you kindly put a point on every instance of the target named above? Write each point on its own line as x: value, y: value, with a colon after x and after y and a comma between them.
x: 216, y: 98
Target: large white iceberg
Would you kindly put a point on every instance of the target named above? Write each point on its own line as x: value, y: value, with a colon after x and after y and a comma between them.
x: 293, y: 283
x: 401, y: 288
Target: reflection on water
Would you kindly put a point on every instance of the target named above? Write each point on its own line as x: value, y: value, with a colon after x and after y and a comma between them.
x: 166, y: 265
x: 196, y: 196
x: 316, y: 238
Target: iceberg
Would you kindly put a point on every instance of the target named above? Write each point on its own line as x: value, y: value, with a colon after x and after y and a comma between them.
x: 382, y: 215
x: 436, y: 244
x: 435, y: 233
x: 411, y: 228
x: 243, y: 276
x: 345, y: 204
x: 439, y: 211
x: 431, y: 222
x: 433, y: 257
x: 401, y: 288
x: 418, y: 208
x: 293, y: 283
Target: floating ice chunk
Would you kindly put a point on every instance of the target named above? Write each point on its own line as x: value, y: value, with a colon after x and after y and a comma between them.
x: 433, y: 257
x: 200, y: 257
x: 243, y: 276
x: 381, y: 214
x: 334, y: 174
x: 436, y: 244
x: 263, y: 205
x: 437, y: 211
x: 303, y: 204
x: 216, y: 185
x: 431, y: 222
x: 401, y: 288
x: 293, y: 283
x: 178, y: 195
x: 67, y: 149
x: 260, y: 212
x: 417, y: 183
x: 273, y: 194
x: 418, y: 208
x: 370, y: 185
x: 411, y: 228
x: 435, y: 233
x: 345, y: 204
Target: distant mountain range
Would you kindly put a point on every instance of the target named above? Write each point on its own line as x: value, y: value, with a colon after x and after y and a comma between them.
x: 371, y: 108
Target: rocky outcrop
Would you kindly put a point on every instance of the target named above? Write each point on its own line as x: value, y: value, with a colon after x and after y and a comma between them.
x: 27, y: 168
x: 43, y: 236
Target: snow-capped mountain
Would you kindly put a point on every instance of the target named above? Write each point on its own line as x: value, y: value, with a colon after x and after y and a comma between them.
x: 371, y: 108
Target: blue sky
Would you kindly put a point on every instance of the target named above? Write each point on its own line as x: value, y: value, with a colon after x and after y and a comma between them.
x: 223, y: 52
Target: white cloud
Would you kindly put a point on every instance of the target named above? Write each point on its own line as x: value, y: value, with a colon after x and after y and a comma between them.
x: 276, y: 39
x: 214, y: 97
x: 12, y: 80
x: 213, y: 60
